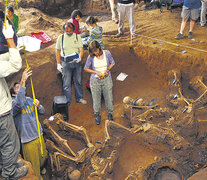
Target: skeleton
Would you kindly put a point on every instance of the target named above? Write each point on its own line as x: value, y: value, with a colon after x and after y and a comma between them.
x: 152, y: 135
x: 59, y: 149
x: 139, y: 104
x: 198, y: 85
x: 62, y: 156
x: 174, y: 80
x: 97, y: 161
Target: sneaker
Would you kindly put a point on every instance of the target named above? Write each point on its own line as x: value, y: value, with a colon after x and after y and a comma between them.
x: 203, y: 25
x: 115, y: 20
x: 190, y: 35
x: 83, y: 101
x: 134, y: 34
x: 20, y: 163
x: 98, y: 119
x: 179, y: 36
x: 110, y: 117
x: 119, y: 35
x: 20, y: 172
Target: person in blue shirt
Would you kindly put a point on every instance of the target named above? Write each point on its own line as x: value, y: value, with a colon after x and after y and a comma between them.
x: 23, y: 110
x: 190, y: 10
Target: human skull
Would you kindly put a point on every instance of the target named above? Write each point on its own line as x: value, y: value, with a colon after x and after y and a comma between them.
x: 127, y: 100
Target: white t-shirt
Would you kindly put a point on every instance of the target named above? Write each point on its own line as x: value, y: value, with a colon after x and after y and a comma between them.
x: 100, y: 64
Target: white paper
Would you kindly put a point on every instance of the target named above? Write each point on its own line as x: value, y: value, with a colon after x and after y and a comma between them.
x: 51, y: 118
x: 121, y: 76
x: 31, y: 44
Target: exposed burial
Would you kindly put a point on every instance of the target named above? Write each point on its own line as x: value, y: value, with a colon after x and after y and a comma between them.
x: 159, y: 128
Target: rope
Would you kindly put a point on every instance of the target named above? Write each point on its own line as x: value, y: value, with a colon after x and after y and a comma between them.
x: 5, y: 13
x: 36, y: 113
x: 175, y: 44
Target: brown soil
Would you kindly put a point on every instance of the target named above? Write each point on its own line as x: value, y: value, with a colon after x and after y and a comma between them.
x: 146, y: 64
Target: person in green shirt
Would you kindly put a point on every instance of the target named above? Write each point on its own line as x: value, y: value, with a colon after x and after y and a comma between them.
x: 13, y: 18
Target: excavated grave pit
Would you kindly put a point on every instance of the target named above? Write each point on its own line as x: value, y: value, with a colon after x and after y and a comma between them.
x: 144, y: 82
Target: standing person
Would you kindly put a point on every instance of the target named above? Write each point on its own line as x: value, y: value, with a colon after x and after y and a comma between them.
x: 10, y: 62
x: 76, y: 15
x: 203, y: 13
x: 69, y: 52
x: 95, y: 32
x: 126, y: 8
x: 113, y: 11
x: 101, y: 62
x: 190, y: 10
x: 26, y: 123
x: 13, y: 18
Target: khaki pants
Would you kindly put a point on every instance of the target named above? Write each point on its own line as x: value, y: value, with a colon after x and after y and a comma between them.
x: 32, y: 153
x: 203, y: 12
x: 126, y: 10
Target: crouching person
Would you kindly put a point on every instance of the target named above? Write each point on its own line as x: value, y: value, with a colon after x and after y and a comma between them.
x: 25, y: 120
x: 10, y: 62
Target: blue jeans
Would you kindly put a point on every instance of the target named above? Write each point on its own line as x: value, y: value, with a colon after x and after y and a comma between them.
x: 97, y: 88
x: 9, y: 146
x: 72, y: 71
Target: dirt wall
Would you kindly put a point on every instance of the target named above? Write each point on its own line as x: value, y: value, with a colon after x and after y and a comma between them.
x: 161, y: 61
x: 62, y: 8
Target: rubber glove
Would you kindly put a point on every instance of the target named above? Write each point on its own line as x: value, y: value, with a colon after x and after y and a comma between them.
x: 59, y: 68
x: 77, y: 60
x: 8, y: 31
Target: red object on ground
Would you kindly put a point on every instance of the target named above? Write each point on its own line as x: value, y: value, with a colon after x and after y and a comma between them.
x: 88, y: 84
x: 41, y: 36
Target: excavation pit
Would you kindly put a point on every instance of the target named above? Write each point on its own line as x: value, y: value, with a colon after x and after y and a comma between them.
x: 147, y: 66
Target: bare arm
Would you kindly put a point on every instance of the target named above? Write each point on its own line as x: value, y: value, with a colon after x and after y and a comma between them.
x: 27, y: 73
x: 108, y: 69
x: 11, y: 43
x: 81, y: 52
x: 58, y: 56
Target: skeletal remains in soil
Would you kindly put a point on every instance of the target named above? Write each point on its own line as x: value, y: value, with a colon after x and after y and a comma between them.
x: 174, y: 127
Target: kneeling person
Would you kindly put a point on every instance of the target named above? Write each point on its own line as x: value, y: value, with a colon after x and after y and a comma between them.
x: 25, y: 120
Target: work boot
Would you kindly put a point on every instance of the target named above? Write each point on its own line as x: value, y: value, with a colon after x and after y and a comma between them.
x: 98, y: 119
x: 20, y: 172
x: 110, y: 117
x: 190, y: 35
x: 179, y: 36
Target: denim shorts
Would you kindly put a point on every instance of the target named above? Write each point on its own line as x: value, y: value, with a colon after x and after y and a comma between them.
x: 189, y: 13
